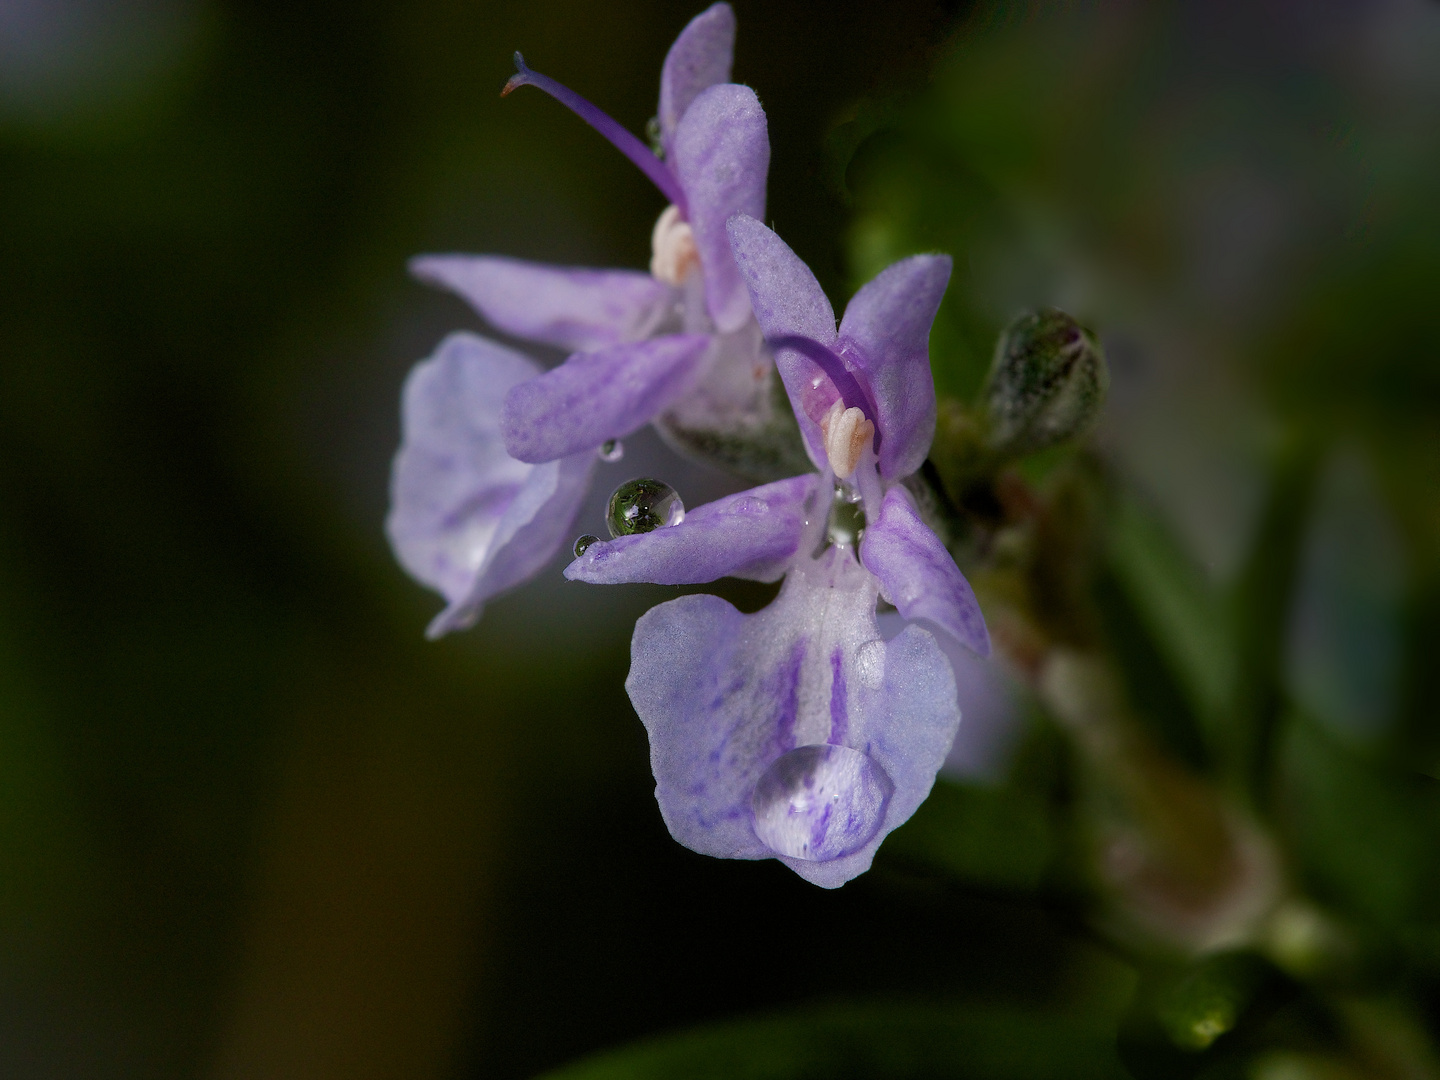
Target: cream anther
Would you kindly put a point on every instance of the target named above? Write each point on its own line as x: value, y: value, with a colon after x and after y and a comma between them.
x: 674, y: 254
x: 847, y: 432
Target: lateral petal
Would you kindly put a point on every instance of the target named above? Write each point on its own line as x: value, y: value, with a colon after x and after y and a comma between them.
x: 569, y: 307
x: 750, y: 535
x: 599, y: 395
x: 457, y: 499
x: 918, y: 575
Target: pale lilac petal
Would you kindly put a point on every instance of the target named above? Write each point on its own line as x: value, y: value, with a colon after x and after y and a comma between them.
x: 724, y: 695
x: 788, y: 302
x: 571, y: 308
x: 889, y: 320
x: 597, y: 396
x: 535, y: 526
x: 721, y: 157
x: 700, y: 58
x: 750, y: 535
x: 918, y: 575
x: 457, y: 498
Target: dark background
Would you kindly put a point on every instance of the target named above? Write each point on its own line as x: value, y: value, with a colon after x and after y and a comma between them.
x: 251, y: 823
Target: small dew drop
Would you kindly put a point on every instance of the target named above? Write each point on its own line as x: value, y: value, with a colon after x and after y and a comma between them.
x: 847, y: 519
x: 820, y: 802
x: 582, y: 545
x: 611, y: 451
x: 653, y: 137
x: 643, y: 505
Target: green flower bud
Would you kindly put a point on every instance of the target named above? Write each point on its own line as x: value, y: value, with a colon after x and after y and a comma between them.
x: 1046, y: 383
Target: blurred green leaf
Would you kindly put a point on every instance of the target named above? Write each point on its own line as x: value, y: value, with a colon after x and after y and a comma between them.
x: 1178, y: 604
x: 996, y: 836
x: 871, y: 1040
x: 1366, y: 836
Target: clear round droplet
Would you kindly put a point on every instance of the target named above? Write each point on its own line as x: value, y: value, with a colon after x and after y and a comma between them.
x: 611, y: 451
x: 820, y: 802
x: 582, y: 545
x: 653, y: 137
x: 643, y: 505
x: 847, y: 520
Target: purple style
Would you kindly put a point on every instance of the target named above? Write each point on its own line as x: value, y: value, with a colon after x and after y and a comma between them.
x: 798, y: 732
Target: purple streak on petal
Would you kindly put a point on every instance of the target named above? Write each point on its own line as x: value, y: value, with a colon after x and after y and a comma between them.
x: 708, y: 717
x: 621, y: 139
x: 722, y: 157
x: 700, y: 58
x: 597, y: 396
x: 839, y: 711
x: 750, y: 535
x: 849, y: 388
x: 906, y: 725
x: 715, y: 688
x: 458, y: 500
x: 918, y: 575
x: 576, y: 309
x: 788, y: 302
x: 886, y: 329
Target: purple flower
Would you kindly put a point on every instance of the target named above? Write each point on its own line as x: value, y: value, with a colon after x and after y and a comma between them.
x: 678, y: 344
x: 465, y: 518
x: 799, y: 733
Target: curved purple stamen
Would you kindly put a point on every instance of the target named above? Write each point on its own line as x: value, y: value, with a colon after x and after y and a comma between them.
x: 851, y: 392
x: 621, y: 139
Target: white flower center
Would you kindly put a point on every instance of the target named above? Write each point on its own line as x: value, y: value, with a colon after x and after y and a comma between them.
x: 847, y: 432
x: 674, y: 254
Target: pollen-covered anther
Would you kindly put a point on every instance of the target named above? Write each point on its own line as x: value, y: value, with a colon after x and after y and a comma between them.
x: 674, y: 254
x: 847, y: 432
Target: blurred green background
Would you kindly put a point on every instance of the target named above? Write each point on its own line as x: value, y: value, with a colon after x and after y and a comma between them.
x: 252, y: 824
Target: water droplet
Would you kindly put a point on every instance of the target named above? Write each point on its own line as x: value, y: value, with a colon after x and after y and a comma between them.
x: 643, y: 505
x: 611, y: 451
x: 820, y: 802
x: 847, y: 519
x: 870, y: 663
x: 653, y: 137
x: 582, y: 545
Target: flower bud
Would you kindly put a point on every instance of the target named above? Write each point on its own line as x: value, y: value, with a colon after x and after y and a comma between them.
x: 1046, y: 383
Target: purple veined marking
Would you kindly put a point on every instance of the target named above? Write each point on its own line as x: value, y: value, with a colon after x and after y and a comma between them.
x: 622, y: 140
x: 819, y: 803
x: 851, y: 392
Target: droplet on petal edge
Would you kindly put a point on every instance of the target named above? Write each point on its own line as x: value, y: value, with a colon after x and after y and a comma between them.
x: 643, y: 505
x: 819, y: 803
x: 611, y: 451
x: 582, y: 545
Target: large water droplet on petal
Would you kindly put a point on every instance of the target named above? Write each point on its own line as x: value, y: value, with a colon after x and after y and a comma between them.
x: 582, y: 545
x: 643, y: 505
x: 820, y: 802
x: 611, y: 451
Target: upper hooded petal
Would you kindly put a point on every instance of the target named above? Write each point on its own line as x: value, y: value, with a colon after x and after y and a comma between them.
x: 750, y: 535
x: 788, y: 302
x: 700, y: 58
x: 597, y: 396
x: 889, y: 320
x: 724, y: 695
x: 918, y: 575
x: 721, y: 157
x: 567, y: 307
x: 457, y: 499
